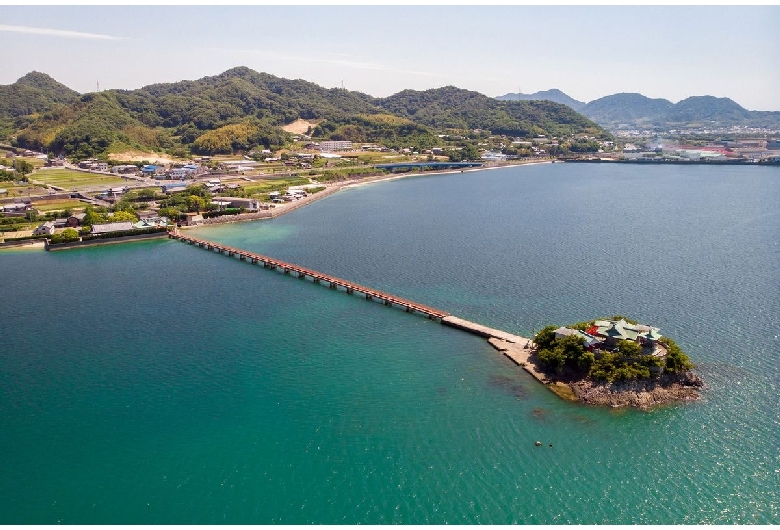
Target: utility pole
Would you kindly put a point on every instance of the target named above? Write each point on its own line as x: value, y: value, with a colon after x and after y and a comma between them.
x: 98, y: 86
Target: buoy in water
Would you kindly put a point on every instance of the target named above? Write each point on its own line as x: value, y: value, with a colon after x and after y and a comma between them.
x: 538, y: 443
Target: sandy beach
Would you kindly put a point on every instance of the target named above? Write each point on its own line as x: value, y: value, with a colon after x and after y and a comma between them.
x: 331, y: 188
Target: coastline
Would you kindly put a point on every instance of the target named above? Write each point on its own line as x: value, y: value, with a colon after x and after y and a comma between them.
x: 385, y: 178
x: 644, y: 394
x: 330, y: 189
x: 520, y: 350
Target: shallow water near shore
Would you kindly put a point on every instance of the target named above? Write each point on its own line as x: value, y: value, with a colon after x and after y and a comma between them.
x: 159, y: 383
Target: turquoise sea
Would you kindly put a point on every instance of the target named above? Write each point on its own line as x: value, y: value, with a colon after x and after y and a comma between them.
x: 160, y: 383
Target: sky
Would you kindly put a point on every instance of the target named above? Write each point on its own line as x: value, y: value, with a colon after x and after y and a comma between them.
x: 587, y: 52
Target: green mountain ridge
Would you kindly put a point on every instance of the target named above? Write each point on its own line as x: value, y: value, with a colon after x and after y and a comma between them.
x: 553, y: 94
x: 635, y: 110
x: 178, y: 116
x: 455, y: 108
x: 626, y: 108
x: 30, y: 95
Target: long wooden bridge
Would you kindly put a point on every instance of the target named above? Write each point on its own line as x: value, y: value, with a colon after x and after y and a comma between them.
x: 317, y: 277
x: 516, y: 348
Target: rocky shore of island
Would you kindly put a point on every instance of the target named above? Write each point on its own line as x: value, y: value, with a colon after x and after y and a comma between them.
x: 611, y: 362
x: 641, y: 394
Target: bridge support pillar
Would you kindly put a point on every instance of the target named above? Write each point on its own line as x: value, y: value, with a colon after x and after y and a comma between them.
x: 350, y: 290
x: 316, y: 280
x: 332, y: 285
x: 369, y: 297
x: 287, y: 271
x: 388, y: 303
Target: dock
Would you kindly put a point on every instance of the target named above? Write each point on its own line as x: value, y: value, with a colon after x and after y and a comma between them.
x: 517, y: 348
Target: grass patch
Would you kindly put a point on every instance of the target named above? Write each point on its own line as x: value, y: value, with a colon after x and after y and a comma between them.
x: 36, y: 162
x: 58, y: 204
x: 69, y: 178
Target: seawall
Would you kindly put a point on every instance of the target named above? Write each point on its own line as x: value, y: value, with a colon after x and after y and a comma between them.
x: 106, y: 241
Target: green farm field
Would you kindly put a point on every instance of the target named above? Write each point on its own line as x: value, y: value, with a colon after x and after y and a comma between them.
x: 58, y: 204
x: 68, y: 178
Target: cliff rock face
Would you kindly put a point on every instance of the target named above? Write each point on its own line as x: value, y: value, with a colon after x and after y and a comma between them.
x: 669, y: 388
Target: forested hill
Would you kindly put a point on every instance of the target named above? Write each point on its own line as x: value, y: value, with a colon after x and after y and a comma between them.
x: 210, y: 102
x: 455, y: 108
x: 627, y: 108
x: 553, y: 94
x: 241, y: 109
x: 32, y: 94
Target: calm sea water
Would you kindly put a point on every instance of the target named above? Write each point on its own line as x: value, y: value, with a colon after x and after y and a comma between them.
x: 159, y: 383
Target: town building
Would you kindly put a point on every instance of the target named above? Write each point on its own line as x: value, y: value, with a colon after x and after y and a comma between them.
x: 76, y: 220
x: 192, y: 219
x: 174, y: 187
x: 46, y: 228
x: 108, y: 228
x: 239, y: 202
x: 335, y: 145
x: 125, y: 169
x: 151, y: 222
x: 14, y: 207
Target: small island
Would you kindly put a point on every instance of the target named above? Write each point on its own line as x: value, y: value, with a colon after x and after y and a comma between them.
x: 616, y: 362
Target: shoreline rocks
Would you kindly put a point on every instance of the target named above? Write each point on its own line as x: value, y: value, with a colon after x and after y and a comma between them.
x: 643, y: 394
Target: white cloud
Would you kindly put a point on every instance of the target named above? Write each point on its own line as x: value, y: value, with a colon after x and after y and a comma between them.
x: 57, y: 33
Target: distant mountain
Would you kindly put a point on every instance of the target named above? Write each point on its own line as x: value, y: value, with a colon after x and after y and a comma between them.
x: 241, y: 109
x: 32, y: 94
x: 637, y: 111
x: 626, y: 108
x: 702, y: 109
x: 551, y: 95
x: 455, y: 108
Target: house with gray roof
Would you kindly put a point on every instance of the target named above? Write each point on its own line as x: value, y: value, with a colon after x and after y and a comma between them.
x: 590, y: 340
x: 46, y: 228
x: 107, y: 228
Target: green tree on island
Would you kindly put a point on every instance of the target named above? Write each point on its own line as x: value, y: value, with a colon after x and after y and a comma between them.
x: 626, y: 362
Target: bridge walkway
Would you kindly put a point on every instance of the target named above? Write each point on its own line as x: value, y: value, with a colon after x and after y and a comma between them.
x: 317, y: 277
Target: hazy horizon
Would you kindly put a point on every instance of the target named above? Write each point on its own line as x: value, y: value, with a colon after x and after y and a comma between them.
x: 586, y: 52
